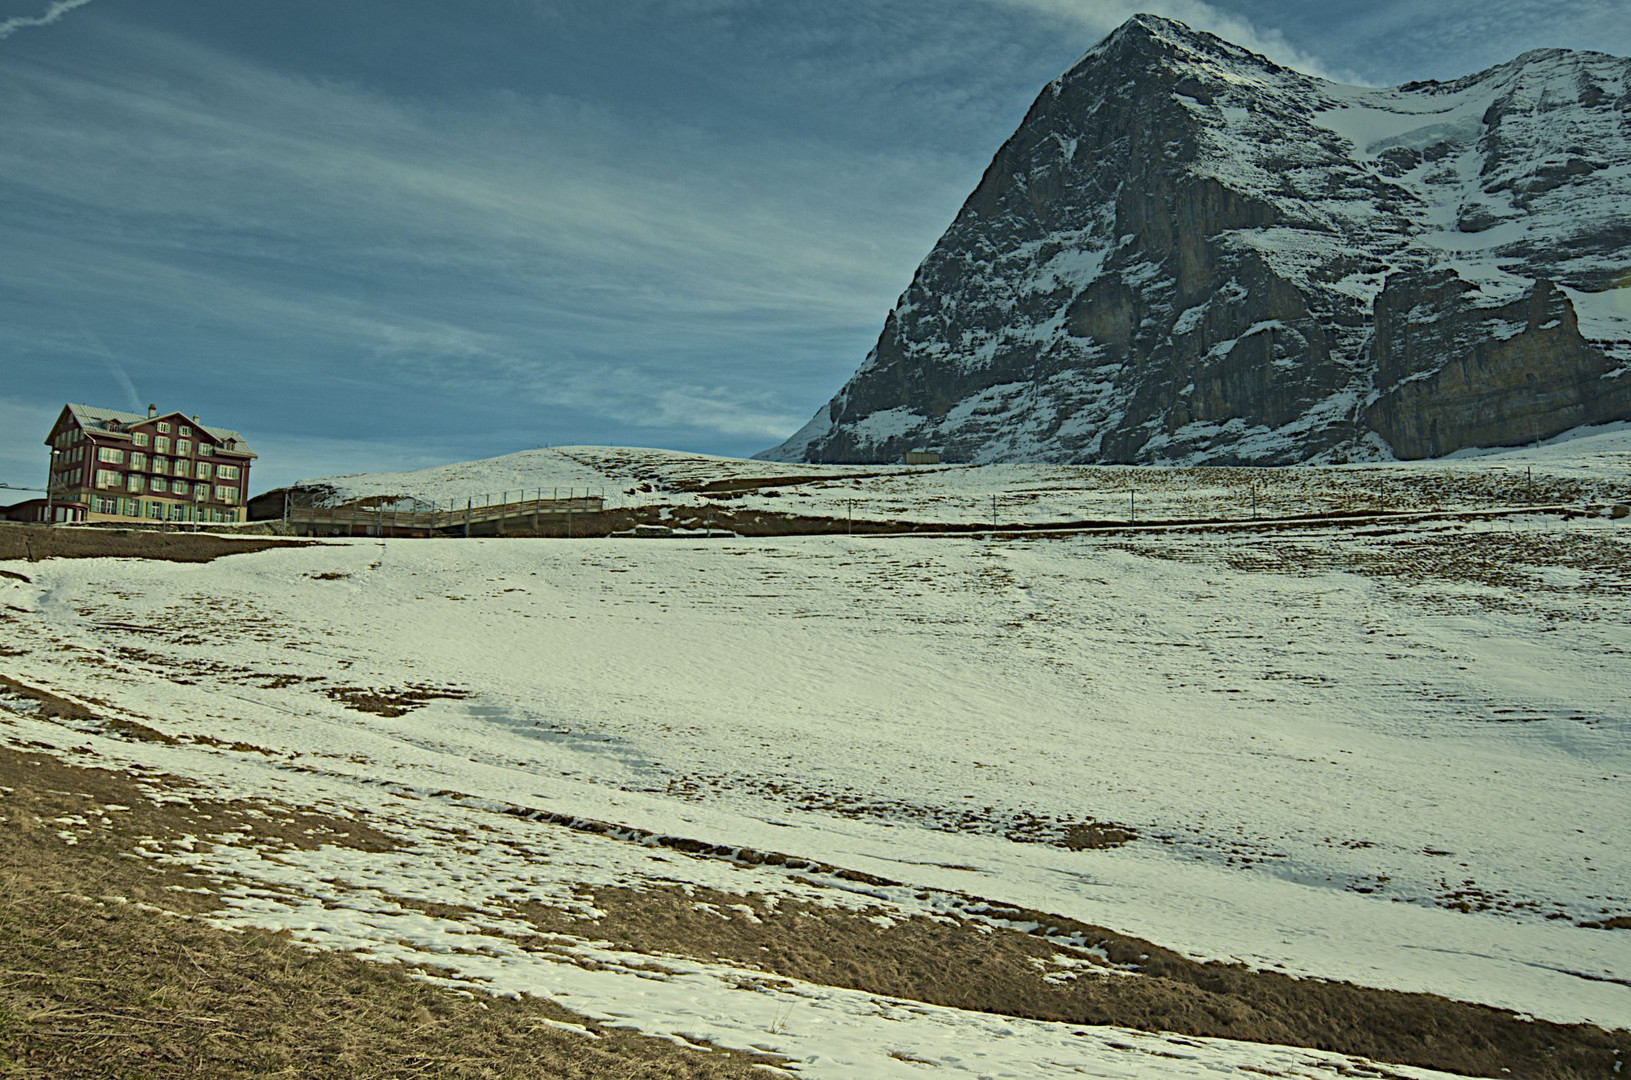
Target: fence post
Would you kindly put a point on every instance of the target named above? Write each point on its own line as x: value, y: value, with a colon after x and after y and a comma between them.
x: 468, y: 503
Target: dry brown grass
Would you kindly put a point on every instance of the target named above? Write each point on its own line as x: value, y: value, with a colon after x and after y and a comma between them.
x: 105, y: 972
x: 392, y: 701
x: 1114, y: 980
x: 94, y: 981
x: 43, y: 702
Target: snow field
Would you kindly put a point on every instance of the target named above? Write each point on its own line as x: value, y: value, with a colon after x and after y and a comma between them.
x: 1392, y: 755
x: 1581, y: 466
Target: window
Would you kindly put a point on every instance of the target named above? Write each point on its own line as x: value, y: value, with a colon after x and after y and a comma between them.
x: 157, y: 483
x: 201, y: 492
x: 185, y: 432
x: 206, y: 450
x: 226, y: 472
x: 105, y: 504
x: 161, y: 445
x: 179, y: 512
x: 155, y: 510
x: 161, y: 465
x: 138, y: 460
x: 164, y: 427
x: 179, y: 487
x: 107, y: 478
x: 133, y: 482
x: 203, y: 467
x: 76, y: 477
x: 226, y: 494
x: 139, y: 438
x: 110, y: 454
x: 184, y: 448
x: 130, y: 507
x: 229, y: 515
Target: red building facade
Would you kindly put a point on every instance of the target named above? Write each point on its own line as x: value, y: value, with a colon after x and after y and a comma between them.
x: 117, y: 466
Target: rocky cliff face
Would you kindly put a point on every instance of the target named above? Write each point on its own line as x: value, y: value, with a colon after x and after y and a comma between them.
x: 1188, y: 253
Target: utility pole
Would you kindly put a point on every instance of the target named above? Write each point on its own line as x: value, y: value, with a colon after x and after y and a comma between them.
x: 50, y: 484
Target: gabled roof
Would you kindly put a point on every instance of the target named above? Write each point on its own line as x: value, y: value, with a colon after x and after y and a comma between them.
x: 92, y: 418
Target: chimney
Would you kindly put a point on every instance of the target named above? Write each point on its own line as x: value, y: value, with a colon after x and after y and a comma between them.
x: 152, y: 411
x: 195, y: 418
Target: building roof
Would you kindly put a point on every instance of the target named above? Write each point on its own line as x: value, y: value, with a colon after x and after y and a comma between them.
x: 91, y: 417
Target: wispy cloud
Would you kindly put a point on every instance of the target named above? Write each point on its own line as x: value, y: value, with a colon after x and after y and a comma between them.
x: 57, y: 10
x: 112, y: 362
x: 547, y: 193
x: 509, y: 233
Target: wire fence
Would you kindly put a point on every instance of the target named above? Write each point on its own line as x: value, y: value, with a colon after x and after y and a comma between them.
x: 1155, y: 499
x: 521, y: 509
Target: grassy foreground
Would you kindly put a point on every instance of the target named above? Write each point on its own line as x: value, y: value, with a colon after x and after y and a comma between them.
x: 106, y: 972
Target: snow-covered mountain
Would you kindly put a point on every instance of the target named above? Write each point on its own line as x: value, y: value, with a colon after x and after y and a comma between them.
x: 1190, y: 253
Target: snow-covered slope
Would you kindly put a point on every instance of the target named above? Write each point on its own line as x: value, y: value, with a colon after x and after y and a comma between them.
x: 1389, y: 755
x: 1189, y: 253
x: 1588, y: 465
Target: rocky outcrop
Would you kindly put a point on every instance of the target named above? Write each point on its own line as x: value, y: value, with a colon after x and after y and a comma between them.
x: 1517, y: 372
x: 1189, y: 253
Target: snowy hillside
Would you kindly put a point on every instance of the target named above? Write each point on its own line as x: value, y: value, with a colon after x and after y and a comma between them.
x: 888, y: 805
x: 1190, y: 254
x: 1591, y: 464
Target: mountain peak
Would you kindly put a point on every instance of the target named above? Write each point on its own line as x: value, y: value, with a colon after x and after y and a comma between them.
x: 1156, y: 35
x: 1187, y: 253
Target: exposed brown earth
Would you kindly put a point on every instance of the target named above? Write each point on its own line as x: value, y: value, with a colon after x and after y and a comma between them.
x: 391, y: 701
x: 35, y: 542
x: 106, y: 972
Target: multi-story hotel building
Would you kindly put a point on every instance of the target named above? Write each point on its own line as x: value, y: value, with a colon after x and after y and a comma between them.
x: 115, y: 466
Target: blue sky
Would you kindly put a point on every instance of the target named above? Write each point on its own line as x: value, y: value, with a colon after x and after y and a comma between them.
x: 382, y: 234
